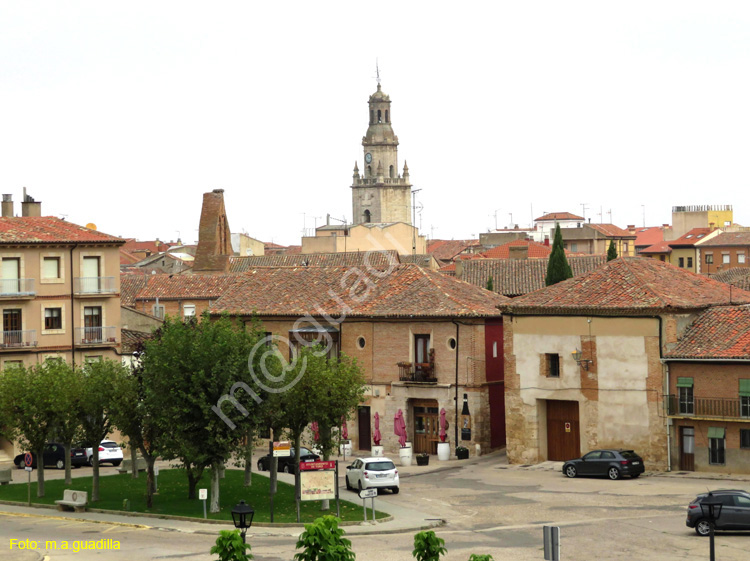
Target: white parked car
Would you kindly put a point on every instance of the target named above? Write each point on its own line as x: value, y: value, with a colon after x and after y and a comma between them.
x: 368, y: 473
x: 109, y: 453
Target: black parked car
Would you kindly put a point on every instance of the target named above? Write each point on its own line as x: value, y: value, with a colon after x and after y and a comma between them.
x: 54, y: 455
x: 735, y: 512
x: 286, y: 463
x: 613, y: 463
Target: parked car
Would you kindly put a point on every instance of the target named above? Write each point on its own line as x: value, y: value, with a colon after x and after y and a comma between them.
x: 735, y: 512
x: 366, y: 473
x: 109, y: 453
x: 613, y: 463
x: 286, y: 463
x: 54, y: 455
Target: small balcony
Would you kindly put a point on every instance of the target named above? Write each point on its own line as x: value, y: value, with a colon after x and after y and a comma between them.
x: 94, y: 286
x: 18, y: 339
x: 715, y: 407
x: 417, y: 373
x: 17, y: 288
x: 96, y: 335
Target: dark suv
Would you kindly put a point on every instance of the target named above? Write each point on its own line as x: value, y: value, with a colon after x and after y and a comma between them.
x: 734, y: 515
x: 613, y: 463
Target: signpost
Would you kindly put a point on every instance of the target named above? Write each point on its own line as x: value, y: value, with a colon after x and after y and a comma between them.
x: 28, y: 459
x: 365, y: 494
x: 156, y: 478
x: 282, y: 449
x: 319, y: 481
x: 203, y: 495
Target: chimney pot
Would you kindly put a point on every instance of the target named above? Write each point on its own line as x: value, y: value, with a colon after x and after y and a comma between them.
x: 7, y: 206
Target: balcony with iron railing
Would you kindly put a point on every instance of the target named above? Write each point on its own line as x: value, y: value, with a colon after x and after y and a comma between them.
x: 18, y: 339
x: 417, y: 373
x: 96, y: 335
x: 714, y: 407
x: 17, y: 288
x: 94, y: 286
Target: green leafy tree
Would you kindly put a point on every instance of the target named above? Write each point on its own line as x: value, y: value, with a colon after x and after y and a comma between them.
x: 230, y: 547
x: 558, y: 268
x: 189, y: 367
x: 32, y: 405
x: 611, y: 251
x: 100, y: 380
x: 323, y: 540
x: 428, y: 547
x: 69, y: 387
x: 490, y: 284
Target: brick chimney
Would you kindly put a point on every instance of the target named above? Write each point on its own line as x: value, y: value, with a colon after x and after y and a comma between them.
x: 518, y: 252
x: 7, y: 206
x: 214, y: 237
x: 30, y: 207
x: 546, y: 241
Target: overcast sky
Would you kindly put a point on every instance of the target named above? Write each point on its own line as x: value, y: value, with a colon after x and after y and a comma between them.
x: 123, y: 114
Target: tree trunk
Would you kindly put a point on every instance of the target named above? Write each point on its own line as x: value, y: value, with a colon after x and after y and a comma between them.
x: 214, y: 488
x: 134, y: 460
x: 150, y: 480
x: 95, y: 481
x: 194, y: 475
x: 68, y: 475
x: 249, y: 459
x: 40, y: 472
x: 325, y: 438
x: 297, y: 483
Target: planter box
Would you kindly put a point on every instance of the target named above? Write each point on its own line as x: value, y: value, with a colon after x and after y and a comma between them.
x: 462, y: 454
x: 423, y: 461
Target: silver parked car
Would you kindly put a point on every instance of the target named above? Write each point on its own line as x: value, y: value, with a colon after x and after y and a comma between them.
x: 366, y: 473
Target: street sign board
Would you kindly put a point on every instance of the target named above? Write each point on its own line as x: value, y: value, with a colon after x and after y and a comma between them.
x: 202, y: 494
x: 317, y: 465
x: 368, y: 493
x: 28, y: 459
x: 29, y: 468
x: 282, y: 448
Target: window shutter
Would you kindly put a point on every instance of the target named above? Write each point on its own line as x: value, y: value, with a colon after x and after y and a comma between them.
x: 684, y: 382
x: 716, y: 432
x: 744, y: 388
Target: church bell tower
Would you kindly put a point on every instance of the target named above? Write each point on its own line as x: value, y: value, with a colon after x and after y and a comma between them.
x: 380, y: 194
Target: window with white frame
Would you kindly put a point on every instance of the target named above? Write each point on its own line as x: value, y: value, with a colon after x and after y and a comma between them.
x: 741, y: 257
x: 686, y: 403
x: 51, y: 268
x: 725, y: 258
x: 709, y: 258
x: 188, y: 310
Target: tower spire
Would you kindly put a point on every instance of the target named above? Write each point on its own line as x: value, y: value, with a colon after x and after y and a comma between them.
x: 377, y: 72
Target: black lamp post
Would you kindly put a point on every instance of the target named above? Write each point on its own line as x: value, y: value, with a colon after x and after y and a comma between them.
x: 242, y: 514
x: 711, y: 509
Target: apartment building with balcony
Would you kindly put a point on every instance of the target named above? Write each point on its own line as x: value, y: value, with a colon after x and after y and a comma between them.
x: 708, y: 399
x: 59, y: 291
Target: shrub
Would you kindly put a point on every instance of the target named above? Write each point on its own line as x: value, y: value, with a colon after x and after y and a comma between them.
x: 229, y: 546
x: 428, y: 547
x: 323, y: 540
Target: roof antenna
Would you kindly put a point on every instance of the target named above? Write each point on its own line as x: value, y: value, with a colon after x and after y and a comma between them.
x: 377, y: 71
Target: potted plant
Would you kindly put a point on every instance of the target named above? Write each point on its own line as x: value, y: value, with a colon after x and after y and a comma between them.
x: 462, y: 452
x: 423, y: 459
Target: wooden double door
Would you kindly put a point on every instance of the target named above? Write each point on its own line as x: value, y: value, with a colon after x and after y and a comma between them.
x: 563, y: 431
x: 426, y: 415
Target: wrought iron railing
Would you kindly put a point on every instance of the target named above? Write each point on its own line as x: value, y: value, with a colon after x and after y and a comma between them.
x: 421, y: 373
x: 96, y: 335
x: 17, y: 339
x: 707, y: 407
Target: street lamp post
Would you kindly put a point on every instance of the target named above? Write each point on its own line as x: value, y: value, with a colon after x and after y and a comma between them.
x: 242, y: 515
x: 711, y: 509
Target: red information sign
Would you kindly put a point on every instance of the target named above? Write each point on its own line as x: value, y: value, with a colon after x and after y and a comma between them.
x: 317, y: 465
x: 567, y: 427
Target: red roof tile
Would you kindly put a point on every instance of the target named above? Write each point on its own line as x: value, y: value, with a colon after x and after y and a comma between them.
x: 629, y: 286
x: 503, y: 251
x: 689, y: 238
x: 736, y: 276
x: 147, y: 246
x: 660, y: 247
x: 48, y: 229
x: 362, y: 259
x: 407, y: 291
x: 722, y: 332
x: 127, y: 258
x: 448, y: 249
x: 611, y: 231
x: 651, y: 235
x: 559, y: 216
x: 130, y: 285
x: 728, y: 238
x: 178, y: 287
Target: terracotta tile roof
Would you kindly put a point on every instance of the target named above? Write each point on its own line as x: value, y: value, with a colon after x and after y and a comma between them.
x: 130, y: 285
x: 728, y: 238
x: 736, y: 276
x: 629, y: 286
x: 449, y: 269
x: 722, y: 332
x: 147, y: 246
x: 48, y: 229
x: 446, y: 250
x: 421, y: 259
x: 661, y: 247
x: 179, y: 287
x: 503, y: 251
x: 689, y: 238
x: 514, y: 277
x: 361, y: 259
x: 407, y: 291
x: 645, y: 237
x: 132, y: 340
x: 127, y: 258
x: 611, y: 231
x: 559, y: 216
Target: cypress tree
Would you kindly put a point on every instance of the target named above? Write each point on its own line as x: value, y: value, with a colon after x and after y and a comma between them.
x: 611, y: 252
x: 490, y: 284
x: 558, y: 268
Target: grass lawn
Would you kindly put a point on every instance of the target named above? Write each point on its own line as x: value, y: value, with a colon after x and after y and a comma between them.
x: 172, y: 496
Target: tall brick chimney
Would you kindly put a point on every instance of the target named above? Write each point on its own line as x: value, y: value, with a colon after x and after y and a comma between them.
x: 30, y: 207
x: 214, y: 237
x: 7, y: 206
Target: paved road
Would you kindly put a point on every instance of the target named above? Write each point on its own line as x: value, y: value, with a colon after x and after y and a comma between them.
x: 489, y: 507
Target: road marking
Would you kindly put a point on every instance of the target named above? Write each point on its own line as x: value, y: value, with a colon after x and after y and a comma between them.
x: 74, y: 521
